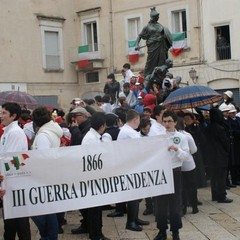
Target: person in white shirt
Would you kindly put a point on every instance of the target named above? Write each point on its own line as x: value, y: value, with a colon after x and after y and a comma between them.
x: 157, y: 127
x: 106, y: 106
x: 48, y: 136
x: 170, y: 205
x: 130, y: 97
x: 13, y: 140
x: 147, y: 112
x: 127, y: 132
x: 128, y: 72
x: 189, y: 193
x: 144, y: 126
x: 94, y: 214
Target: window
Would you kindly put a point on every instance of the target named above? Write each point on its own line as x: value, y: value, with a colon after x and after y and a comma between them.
x: 91, y: 36
x: 50, y: 100
x: 52, y: 45
x: 223, y: 47
x: 92, y: 77
x: 52, y: 50
x: 133, y: 28
x: 179, y: 22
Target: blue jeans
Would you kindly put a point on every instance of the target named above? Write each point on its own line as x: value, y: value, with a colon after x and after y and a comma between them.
x: 47, y: 226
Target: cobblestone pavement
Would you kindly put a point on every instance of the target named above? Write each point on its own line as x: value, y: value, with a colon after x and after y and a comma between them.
x: 215, y: 221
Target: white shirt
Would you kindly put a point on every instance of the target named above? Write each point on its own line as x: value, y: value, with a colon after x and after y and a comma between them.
x: 91, y: 137
x: 13, y: 139
x: 157, y: 129
x: 127, y: 132
x: 130, y: 98
x: 189, y: 164
x: 180, y: 141
x: 152, y: 120
x: 106, y: 107
x: 128, y: 75
x: 28, y: 130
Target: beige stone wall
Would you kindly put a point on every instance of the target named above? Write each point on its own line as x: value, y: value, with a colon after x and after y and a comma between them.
x: 21, y: 47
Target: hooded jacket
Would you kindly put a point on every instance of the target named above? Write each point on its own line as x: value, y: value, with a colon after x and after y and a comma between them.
x: 48, y: 136
x: 149, y: 101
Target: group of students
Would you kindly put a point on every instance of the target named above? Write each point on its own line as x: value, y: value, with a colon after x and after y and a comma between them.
x: 136, y: 126
x: 192, y: 170
x: 48, y: 135
x: 87, y: 125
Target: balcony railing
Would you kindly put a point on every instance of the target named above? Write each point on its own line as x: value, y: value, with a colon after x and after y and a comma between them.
x: 223, y: 53
x: 96, y: 53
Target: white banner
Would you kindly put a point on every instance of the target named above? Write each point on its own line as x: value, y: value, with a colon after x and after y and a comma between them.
x: 69, y: 178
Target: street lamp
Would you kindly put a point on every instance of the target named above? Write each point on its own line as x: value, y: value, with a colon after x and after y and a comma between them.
x: 193, y: 75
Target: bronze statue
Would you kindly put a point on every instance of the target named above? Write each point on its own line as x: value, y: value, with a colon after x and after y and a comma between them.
x: 158, y: 41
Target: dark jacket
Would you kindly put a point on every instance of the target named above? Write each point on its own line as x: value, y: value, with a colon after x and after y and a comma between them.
x: 235, y: 130
x: 113, y: 131
x: 218, y: 145
x: 77, y: 133
x: 112, y: 89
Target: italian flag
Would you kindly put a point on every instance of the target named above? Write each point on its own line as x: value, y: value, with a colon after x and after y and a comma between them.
x: 17, y: 162
x: 178, y: 43
x: 83, y: 56
x: 133, y: 55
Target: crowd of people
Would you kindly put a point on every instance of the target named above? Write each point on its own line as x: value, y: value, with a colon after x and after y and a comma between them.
x: 104, y: 119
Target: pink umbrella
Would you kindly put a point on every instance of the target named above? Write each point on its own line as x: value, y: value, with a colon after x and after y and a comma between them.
x: 22, y: 98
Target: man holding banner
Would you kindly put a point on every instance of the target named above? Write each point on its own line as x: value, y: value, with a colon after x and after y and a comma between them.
x: 87, y: 176
x: 94, y: 214
x: 170, y: 205
x: 13, y: 140
x: 127, y: 132
x: 48, y: 136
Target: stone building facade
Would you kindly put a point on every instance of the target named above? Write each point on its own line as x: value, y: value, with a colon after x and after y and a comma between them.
x: 39, y: 44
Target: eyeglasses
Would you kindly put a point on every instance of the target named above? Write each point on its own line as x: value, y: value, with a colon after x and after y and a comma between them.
x: 169, y: 121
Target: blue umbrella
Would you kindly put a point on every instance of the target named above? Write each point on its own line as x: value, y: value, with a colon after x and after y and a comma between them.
x: 191, y: 97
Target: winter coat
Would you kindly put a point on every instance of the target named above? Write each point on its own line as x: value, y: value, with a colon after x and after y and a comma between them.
x: 48, y: 136
x: 77, y: 133
x: 218, y: 147
x: 112, y: 89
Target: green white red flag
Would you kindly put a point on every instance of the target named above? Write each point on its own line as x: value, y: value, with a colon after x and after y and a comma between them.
x: 83, y: 56
x: 179, y: 43
x: 133, y: 54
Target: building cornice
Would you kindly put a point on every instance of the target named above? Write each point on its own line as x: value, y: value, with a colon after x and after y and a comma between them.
x: 50, y: 18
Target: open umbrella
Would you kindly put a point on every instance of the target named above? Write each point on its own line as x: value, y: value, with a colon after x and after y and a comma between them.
x: 191, y: 97
x: 22, y: 98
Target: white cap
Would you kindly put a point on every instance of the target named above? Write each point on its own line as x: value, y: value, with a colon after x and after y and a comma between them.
x: 228, y: 93
x: 224, y: 107
x: 232, y: 108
